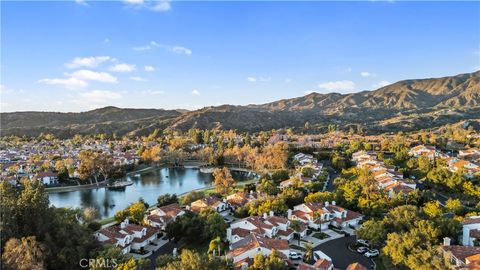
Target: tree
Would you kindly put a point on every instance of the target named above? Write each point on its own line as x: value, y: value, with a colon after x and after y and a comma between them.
x: 192, y: 196
x: 24, y: 254
x: 270, y: 262
x: 296, y: 227
x: 90, y: 214
x: 268, y: 187
x: 215, y: 225
x: 223, y: 181
x: 166, y: 199
x: 215, y: 246
x: 454, y: 205
x: 433, y: 209
x: 308, y: 252
x: 135, y: 213
x: 373, y: 231
x: 320, y: 197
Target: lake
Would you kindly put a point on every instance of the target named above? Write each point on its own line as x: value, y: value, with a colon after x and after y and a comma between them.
x: 147, y: 185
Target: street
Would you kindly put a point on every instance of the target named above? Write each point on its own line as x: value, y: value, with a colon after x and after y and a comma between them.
x: 341, y: 256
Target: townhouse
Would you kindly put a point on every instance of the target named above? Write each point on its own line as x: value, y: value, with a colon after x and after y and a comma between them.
x: 387, y: 177
x: 428, y: 151
x: 270, y: 226
x: 128, y: 237
x: 239, y: 199
x: 318, y: 216
x: 243, y: 251
x: 471, y: 231
x: 469, y: 168
x: 211, y: 202
x: 461, y: 257
x: 161, y: 216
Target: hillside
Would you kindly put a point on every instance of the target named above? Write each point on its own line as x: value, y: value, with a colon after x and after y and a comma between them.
x: 404, y: 105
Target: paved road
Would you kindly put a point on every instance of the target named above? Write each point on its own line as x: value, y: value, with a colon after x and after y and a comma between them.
x: 165, y: 249
x: 341, y: 256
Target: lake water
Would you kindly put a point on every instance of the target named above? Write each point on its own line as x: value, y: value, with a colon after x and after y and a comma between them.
x: 147, y: 185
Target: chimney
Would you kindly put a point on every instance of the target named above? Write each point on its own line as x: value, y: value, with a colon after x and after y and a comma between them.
x: 251, y: 191
x: 265, y: 215
x: 289, y: 214
x: 327, y: 203
x: 271, y: 213
x: 446, y: 241
x: 334, y: 203
x: 122, y: 225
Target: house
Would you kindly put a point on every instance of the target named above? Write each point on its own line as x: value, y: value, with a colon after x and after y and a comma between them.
x: 211, y: 202
x: 304, y: 159
x: 160, y: 216
x: 239, y: 199
x: 471, y: 231
x: 428, y: 151
x: 462, y: 257
x: 469, y: 168
x: 270, y: 226
x: 254, y: 244
x: 47, y: 178
x: 319, y: 216
x: 473, y: 154
x: 356, y: 266
x: 322, y: 264
x: 127, y: 236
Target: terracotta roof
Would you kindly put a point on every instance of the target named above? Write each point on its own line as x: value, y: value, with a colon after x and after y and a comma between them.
x: 356, y: 266
x: 171, y: 210
x: 471, y: 220
x: 462, y: 252
x: 150, y: 232
x: 255, y: 241
x: 475, y: 233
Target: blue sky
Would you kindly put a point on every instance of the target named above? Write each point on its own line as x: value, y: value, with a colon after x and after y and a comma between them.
x: 76, y: 56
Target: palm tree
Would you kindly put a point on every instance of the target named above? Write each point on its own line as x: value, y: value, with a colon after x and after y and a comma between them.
x: 215, y: 245
x: 308, y: 252
x: 295, y: 225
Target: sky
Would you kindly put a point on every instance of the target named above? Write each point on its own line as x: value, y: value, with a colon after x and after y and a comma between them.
x: 72, y: 56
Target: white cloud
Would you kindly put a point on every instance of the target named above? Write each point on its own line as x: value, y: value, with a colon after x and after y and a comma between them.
x: 88, y: 75
x: 288, y: 80
x: 259, y: 79
x: 81, y: 2
x: 67, y: 82
x: 138, y: 79
x: 338, y: 85
x: 181, y: 50
x: 367, y: 74
x: 90, y: 62
x: 162, y: 5
x: 195, y: 92
x: 149, y: 68
x: 5, y: 90
x: 152, y: 92
x: 133, y: 2
x: 147, y: 47
x: 106, y: 40
x: 381, y: 84
x: 157, y: 5
x: 122, y: 67
x: 100, y: 96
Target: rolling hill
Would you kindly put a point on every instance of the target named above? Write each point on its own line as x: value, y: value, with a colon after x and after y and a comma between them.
x: 404, y: 105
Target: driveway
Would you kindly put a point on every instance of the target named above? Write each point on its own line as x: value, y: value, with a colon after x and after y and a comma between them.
x: 337, y: 249
x: 167, y: 248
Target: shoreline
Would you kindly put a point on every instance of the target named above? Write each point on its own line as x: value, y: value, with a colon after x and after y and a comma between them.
x: 241, y: 184
x: 102, y: 184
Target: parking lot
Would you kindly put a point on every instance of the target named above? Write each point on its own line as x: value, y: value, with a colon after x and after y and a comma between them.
x: 341, y: 255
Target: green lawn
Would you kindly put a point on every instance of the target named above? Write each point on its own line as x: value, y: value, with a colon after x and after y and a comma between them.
x: 320, y: 235
x: 297, y: 247
x: 106, y: 220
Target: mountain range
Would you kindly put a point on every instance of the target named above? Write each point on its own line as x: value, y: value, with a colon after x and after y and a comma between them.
x: 404, y: 105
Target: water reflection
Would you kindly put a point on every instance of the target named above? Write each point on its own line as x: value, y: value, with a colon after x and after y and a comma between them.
x: 148, y: 185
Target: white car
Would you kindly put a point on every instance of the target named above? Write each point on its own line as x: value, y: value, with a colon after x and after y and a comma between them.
x: 371, y: 253
x: 294, y: 256
x: 363, y: 242
x: 362, y: 250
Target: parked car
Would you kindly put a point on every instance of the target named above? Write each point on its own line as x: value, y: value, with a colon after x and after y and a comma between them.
x: 363, y: 242
x: 362, y: 249
x: 371, y: 253
x: 295, y: 255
